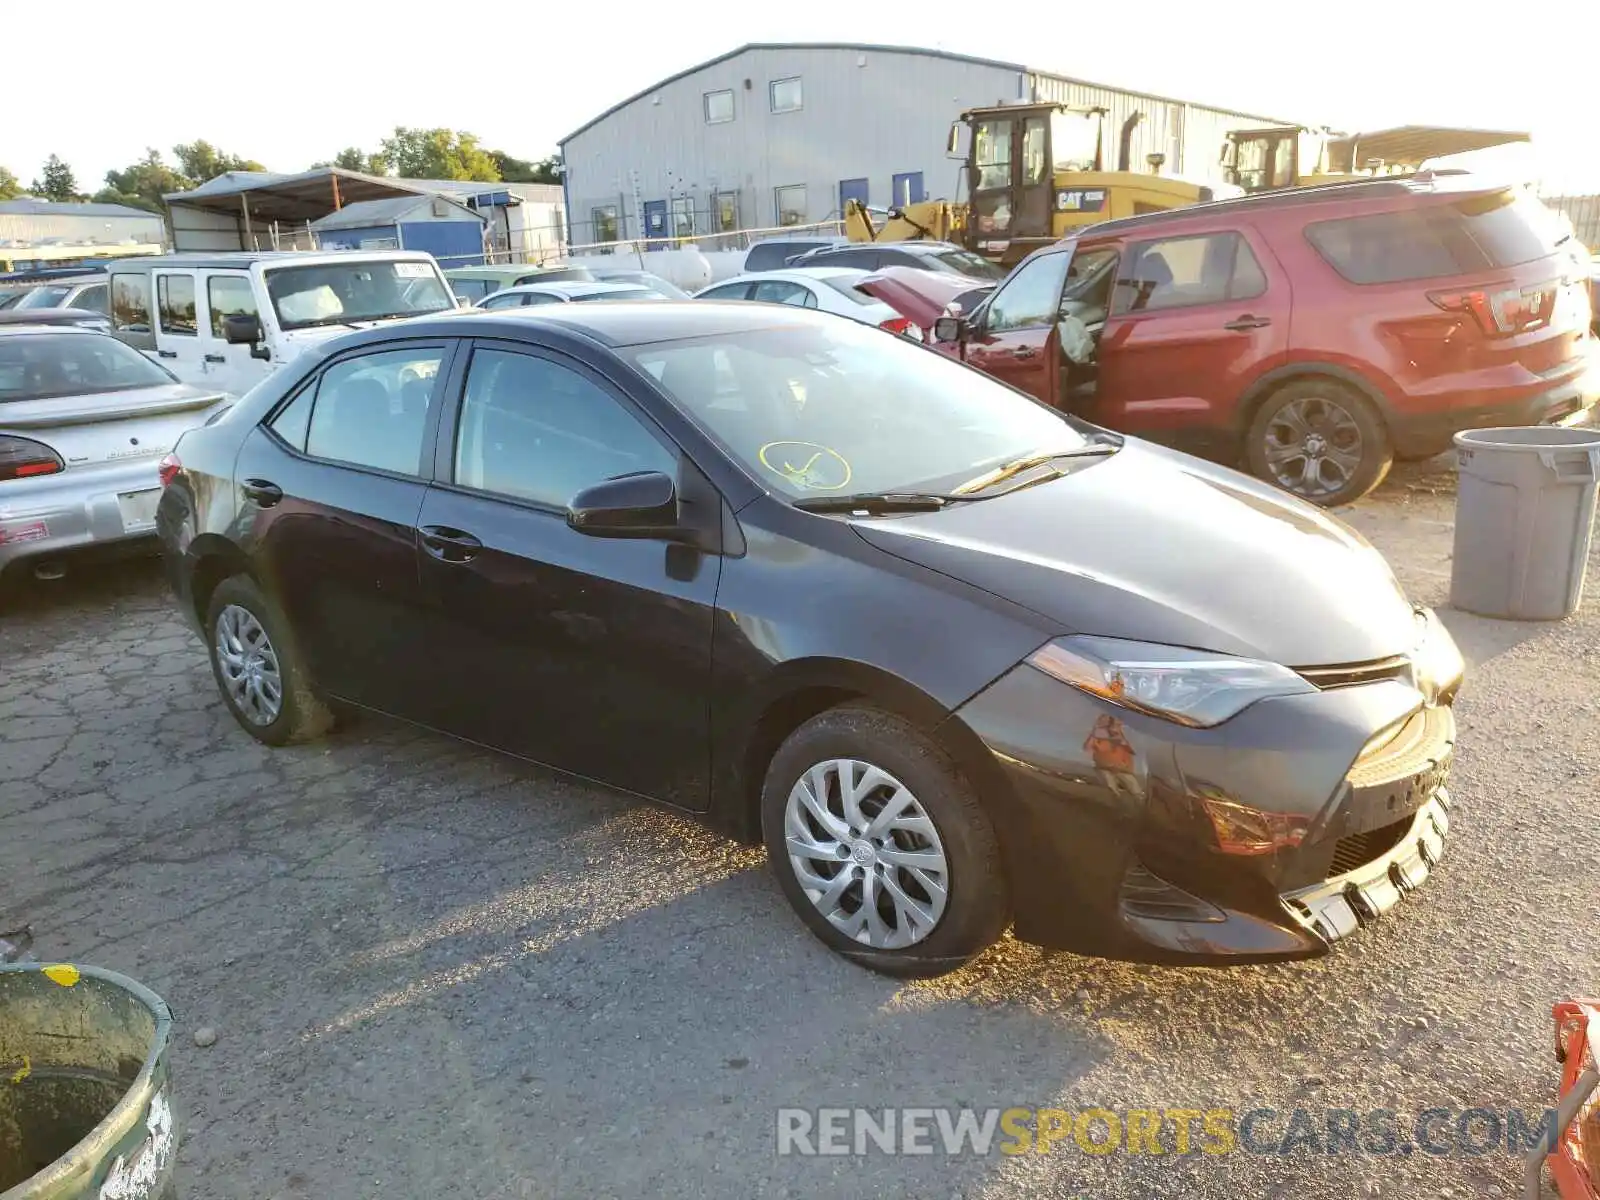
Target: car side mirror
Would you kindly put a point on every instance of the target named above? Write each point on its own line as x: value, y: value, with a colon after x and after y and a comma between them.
x: 950, y: 329
x: 641, y: 505
x: 244, y: 329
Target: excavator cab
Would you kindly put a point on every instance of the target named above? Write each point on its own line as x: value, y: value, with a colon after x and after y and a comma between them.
x: 1263, y: 160
x: 1282, y: 156
x: 1013, y: 156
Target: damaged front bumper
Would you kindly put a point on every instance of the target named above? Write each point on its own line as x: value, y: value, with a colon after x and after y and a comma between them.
x: 1338, y: 906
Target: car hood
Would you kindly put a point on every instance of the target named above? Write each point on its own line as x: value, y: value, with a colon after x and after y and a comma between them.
x: 1156, y: 546
x: 920, y: 296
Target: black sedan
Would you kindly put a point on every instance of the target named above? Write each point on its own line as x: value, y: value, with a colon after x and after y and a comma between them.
x: 959, y: 659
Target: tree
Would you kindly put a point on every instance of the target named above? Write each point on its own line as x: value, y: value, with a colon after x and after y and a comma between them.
x: 520, y: 170
x: 200, y: 161
x: 10, y: 186
x: 143, y: 184
x: 58, y: 183
x: 351, y: 158
x: 437, y: 154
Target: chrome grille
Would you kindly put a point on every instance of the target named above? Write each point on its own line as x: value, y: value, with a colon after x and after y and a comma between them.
x: 1355, y: 674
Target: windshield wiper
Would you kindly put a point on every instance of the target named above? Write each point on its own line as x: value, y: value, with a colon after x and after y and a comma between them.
x: 1011, y: 470
x: 877, y: 502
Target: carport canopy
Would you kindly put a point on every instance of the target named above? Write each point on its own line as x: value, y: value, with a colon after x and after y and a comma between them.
x: 266, y: 196
x: 1413, y: 144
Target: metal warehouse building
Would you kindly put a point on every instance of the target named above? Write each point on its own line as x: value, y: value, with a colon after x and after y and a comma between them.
x: 780, y: 133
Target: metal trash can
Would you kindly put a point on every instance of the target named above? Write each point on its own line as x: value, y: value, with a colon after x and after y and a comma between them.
x: 85, y: 1107
x: 1524, y: 511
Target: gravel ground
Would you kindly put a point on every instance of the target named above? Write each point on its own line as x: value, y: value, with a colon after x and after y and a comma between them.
x: 433, y: 971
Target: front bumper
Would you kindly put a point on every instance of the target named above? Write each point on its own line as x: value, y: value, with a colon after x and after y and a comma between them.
x: 78, y: 509
x: 1116, y: 852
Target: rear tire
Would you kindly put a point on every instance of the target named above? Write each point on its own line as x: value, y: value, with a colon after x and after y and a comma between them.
x: 881, y: 845
x: 1320, y: 440
x: 258, y: 667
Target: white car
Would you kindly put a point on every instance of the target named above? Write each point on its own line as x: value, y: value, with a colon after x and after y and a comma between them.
x: 567, y: 291
x: 832, y: 289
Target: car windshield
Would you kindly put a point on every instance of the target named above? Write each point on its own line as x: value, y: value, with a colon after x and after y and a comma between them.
x: 39, y: 366
x: 965, y: 262
x: 48, y: 296
x: 830, y: 407
x: 341, y: 292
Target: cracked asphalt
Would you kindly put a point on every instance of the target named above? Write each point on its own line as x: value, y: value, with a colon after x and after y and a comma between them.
x: 434, y: 971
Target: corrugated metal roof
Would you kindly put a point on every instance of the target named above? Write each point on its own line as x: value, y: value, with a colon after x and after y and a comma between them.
x: 874, y: 48
x: 387, y: 212
x: 29, y: 207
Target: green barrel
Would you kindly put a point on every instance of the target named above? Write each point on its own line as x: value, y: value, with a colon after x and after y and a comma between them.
x: 85, y: 1105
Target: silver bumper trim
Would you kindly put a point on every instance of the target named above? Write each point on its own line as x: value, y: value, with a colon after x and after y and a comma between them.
x: 1337, y: 907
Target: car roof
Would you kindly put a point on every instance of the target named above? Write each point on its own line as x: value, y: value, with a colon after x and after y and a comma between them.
x: 573, y: 287
x: 802, y: 273
x: 609, y: 325
x: 1347, y: 198
x: 65, y: 330
x: 241, y: 259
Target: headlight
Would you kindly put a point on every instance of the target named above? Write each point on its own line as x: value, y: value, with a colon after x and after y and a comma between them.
x: 1191, y: 687
x: 1436, y: 661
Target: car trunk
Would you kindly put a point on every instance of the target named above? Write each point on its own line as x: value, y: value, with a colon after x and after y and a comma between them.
x: 106, y: 428
x: 919, y: 296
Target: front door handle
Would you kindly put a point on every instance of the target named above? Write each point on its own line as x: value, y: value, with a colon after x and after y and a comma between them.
x: 216, y: 358
x: 166, y: 354
x: 1248, y: 321
x: 449, y: 545
x: 1024, y: 352
x: 262, y: 492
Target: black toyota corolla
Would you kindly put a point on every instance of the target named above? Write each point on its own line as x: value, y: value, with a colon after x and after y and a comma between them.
x: 958, y: 659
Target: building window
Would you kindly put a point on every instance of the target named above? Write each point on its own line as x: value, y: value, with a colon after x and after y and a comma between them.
x: 719, y: 107
x: 791, y: 203
x: 682, y: 217
x: 604, y: 223
x: 725, y: 211
x: 785, y: 94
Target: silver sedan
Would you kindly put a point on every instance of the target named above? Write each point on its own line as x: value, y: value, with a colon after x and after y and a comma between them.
x: 84, y: 423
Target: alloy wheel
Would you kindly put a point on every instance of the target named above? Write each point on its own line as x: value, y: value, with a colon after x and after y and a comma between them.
x: 866, y: 853
x: 249, y: 665
x: 1313, y: 446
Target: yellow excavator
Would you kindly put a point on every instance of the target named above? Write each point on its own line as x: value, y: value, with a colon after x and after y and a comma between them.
x: 1033, y: 172
x: 1284, y: 156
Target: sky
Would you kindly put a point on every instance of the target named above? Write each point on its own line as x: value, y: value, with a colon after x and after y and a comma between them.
x: 319, y: 75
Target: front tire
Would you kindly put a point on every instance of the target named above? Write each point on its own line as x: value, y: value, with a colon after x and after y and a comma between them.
x: 1320, y: 440
x: 881, y: 845
x: 258, y: 669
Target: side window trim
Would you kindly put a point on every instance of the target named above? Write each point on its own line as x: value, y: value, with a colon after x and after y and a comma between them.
x: 447, y: 428
x: 427, y: 458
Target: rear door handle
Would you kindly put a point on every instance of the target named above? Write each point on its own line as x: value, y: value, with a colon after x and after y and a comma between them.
x: 449, y: 545
x: 1248, y: 322
x: 216, y: 358
x: 262, y: 492
x: 166, y: 354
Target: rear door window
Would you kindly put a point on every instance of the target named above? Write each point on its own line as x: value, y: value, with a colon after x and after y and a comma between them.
x: 372, y: 410
x: 782, y: 291
x: 175, y: 304
x: 91, y: 299
x: 130, y: 303
x: 1186, y: 272
x: 1478, y: 233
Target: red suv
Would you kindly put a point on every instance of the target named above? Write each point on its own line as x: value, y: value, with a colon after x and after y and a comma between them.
x: 1316, y: 333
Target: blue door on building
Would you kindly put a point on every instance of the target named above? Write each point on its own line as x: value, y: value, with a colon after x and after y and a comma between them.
x: 908, y: 189
x: 655, y: 223
x: 851, y: 189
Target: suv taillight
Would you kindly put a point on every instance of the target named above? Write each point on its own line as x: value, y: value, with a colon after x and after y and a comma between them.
x: 902, y: 326
x: 1503, y: 311
x: 23, y: 459
x: 167, y: 469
